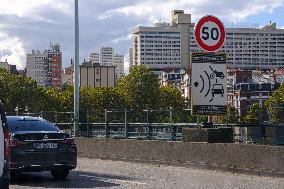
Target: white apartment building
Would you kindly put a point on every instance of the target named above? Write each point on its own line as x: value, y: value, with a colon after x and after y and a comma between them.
x: 37, y: 67
x: 118, y: 62
x: 251, y: 48
x: 94, y: 58
x: 106, y: 56
x: 45, y: 67
x: 164, y: 45
x: 167, y: 46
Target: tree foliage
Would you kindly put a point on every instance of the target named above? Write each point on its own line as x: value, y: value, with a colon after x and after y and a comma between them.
x: 232, y: 116
x: 275, y: 106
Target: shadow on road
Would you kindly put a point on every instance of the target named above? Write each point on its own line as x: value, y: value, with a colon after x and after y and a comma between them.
x: 76, y: 179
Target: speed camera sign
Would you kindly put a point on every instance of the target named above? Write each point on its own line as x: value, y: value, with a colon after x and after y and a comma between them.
x: 210, y: 33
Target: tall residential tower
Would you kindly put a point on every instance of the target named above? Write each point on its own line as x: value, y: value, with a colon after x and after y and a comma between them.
x: 45, y: 67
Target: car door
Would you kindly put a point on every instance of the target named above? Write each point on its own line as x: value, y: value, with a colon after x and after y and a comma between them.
x: 2, y: 151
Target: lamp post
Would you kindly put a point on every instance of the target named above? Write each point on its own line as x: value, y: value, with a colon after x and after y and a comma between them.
x: 76, y: 70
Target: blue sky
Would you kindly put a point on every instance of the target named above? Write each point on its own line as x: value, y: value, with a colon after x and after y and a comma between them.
x: 32, y: 24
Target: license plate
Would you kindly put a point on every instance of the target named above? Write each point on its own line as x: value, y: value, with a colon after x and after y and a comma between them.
x: 48, y: 145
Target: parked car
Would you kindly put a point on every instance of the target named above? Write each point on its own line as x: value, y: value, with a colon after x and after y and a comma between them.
x: 5, y: 151
x: 38, y: 145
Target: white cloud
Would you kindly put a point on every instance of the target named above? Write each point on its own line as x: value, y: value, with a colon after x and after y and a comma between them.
x: 121, y: 39
x: 230, y: 10
x: 12, y: 49
x: 32, y: 8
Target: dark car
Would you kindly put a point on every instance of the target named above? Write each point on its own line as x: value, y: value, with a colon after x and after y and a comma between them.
x: 5, y: 151
x: 37, y: 145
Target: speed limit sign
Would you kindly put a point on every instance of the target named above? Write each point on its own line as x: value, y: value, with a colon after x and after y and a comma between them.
x: 210, y: 33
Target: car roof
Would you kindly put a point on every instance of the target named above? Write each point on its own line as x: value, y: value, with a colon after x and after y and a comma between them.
x: 24, y: 118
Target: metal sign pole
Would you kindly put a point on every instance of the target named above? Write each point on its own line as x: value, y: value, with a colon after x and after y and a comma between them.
x: 76, y: 70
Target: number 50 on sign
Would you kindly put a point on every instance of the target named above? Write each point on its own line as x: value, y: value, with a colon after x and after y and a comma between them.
x: 210, y: 33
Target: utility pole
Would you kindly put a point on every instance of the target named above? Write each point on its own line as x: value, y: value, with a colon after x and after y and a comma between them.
x: 76, y: 70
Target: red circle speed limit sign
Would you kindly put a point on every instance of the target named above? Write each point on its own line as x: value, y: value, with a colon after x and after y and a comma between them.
x: 210, y: 33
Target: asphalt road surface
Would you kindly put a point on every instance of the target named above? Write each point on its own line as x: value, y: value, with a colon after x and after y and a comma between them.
x: 92, y: 173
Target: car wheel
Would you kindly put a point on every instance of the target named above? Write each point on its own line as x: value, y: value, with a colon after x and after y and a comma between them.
x: 60, y: 174
x: 5, y: 184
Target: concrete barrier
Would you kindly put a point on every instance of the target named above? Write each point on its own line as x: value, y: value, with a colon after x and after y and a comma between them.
x: 237, y: 158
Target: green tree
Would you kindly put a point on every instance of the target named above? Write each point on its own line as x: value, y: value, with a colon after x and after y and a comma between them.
x: 140, y: 88
x: 275, y: 106
x: 255, y: 114
x: 169, y: 97
x: 18, y: 91
x: 232, y: 116
x: 96, y: 100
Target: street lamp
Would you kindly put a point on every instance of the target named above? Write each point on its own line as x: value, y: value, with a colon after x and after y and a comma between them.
x: 76, y: 70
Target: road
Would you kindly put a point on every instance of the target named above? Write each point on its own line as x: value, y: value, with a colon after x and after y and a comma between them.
x: 116, y: 174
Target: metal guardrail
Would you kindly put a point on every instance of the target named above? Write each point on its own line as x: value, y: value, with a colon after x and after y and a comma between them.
x: 260, y: 133
x: 246, y: 133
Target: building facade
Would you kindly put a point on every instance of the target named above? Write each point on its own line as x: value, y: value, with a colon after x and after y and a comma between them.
x: 248, y: 87
x: 118, y: 62
x: 4, y: 65
x: 66, y: 76
x: 94, y: 58
x: 251, y: 48
x: 130, y: 55
x: 164, y: 45
x: 106, y: 56
x: 95, y: 75
x: 167, y: 45
x: 45, y: 67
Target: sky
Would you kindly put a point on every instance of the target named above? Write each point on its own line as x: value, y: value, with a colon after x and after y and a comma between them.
x: 32, y: 24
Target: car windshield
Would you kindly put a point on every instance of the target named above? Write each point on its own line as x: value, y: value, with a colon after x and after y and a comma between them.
x: 30, y: 125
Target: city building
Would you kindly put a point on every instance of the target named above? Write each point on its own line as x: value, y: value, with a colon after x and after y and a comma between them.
x: 106, y: 56
x: 249, y: 87
x: 167, y: 45
x: 185, y: 84
x: 94, y: 58
x: 4, y: 65
x: 96, y: 75
x: 45, y: 67
x: 164, y: 45
x: 118, y: 62
x: 37, y: 68
x: 22, y: 72
x: 66, y: 76
x: 251, y: 48
x: 130, y: 54
x: 13, y: 69
x: 171, y: 77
